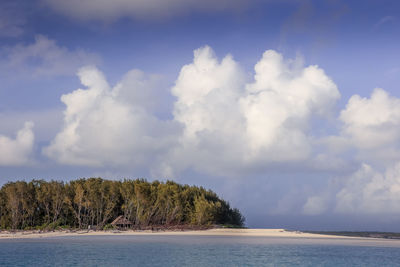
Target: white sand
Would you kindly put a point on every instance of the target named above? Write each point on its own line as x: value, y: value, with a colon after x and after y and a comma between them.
x: 211, y: 232
x: 274, y: 236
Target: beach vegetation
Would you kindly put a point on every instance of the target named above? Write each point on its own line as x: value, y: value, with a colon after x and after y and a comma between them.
x: 94, y: 203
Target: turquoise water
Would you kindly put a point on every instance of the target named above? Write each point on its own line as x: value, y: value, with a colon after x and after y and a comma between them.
x: 195, y: 251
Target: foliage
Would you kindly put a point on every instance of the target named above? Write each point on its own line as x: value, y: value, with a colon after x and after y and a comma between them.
x: 109, y: 227
x: 96, y: 202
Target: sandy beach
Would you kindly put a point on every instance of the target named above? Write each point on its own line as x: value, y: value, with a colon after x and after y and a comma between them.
x: 274, y: 236
x: 210, y: 232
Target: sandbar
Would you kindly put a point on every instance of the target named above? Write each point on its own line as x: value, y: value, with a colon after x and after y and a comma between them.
x: 209, y: 232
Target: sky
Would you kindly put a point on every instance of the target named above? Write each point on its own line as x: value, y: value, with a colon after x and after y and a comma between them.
x: 289, y: 110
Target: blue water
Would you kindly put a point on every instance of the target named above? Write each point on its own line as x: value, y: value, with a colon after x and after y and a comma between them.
x: 194, y: 251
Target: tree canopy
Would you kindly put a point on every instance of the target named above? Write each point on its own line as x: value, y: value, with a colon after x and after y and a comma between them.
x: 96, y: 202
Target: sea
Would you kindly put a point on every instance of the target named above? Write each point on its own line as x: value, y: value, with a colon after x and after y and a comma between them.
x: 156, y: 250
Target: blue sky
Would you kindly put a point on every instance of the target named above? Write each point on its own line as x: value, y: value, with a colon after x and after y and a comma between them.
x: 297, y: 136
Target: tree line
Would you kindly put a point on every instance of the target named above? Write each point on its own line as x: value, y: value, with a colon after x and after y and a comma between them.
x: 40, y: 204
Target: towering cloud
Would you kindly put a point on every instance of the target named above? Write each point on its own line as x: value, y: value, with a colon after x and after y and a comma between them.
x: 102, y: 129
x: 221, y: 123
x: 233, y: 125
x: 281, y: 101
x: 14, y: 152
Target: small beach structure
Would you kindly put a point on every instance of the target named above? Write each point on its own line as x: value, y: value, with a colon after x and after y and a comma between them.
x: 121, y: 222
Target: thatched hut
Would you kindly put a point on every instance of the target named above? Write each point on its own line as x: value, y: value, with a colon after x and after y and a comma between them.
x: 121, y: 222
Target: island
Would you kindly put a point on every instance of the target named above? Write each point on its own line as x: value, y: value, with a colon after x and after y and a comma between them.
x: 99, y: 204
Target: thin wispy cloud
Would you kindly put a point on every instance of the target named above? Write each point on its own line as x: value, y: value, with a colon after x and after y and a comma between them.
x: 141, y: 9
x: 43, y: 58
x: 383, y: 21
x: 12, y: 19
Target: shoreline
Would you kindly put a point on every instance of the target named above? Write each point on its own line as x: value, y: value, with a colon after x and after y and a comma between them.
x: 271, y: 236
x: 209, y: 232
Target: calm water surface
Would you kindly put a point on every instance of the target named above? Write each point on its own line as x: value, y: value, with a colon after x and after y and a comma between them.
x: 195, y: 251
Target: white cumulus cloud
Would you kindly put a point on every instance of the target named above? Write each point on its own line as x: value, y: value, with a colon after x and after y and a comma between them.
x: 372, y: 127
x: 232, y: 124
x: 372, y: 122
x: 222, y: 123
x: 17, y: 151
x: 280, y: 103
x: 101, y: 128
x: 368, y: 191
